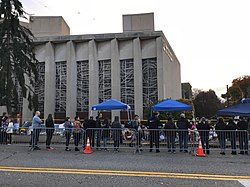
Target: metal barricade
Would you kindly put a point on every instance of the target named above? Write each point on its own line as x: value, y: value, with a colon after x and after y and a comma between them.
x: 43, y: 137
x: 153, y: 140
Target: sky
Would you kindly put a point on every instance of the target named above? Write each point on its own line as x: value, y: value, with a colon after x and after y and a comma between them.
x: 210, y: 38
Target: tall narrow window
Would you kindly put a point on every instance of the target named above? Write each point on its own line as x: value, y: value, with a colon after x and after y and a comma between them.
x: 61, y: 86
x: 40, y: 85
x: 82, y: 86
x: 127, y: 82
x: 150, y: 90
x: 104, y: 80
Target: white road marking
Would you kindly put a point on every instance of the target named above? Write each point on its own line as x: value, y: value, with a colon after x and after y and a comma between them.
x: 245, y: 183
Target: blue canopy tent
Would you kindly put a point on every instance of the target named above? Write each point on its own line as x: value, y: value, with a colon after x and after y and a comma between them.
x: 170, y: 106
x: 111, y: 105
x: 242, y: 109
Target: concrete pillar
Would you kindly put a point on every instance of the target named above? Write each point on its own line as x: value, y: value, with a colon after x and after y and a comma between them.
x: 93, y: 77
x: 27, y: 114
x: 50, y: 80
x: 3, y: 109
x: 71, y: 81
x: 115, y: 75
x: 160, y: 78
x: 138, y: 77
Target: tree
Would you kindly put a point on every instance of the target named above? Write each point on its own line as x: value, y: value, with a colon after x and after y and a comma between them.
x: 17, y: 59
x: 207, y: 104
x: 196, y: 91
x: 240, y: 89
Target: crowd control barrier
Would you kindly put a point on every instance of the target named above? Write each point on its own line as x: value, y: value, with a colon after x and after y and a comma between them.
x: 136, y: 140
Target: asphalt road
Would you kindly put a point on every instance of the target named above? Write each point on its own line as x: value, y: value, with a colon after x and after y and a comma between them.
x: 20, y: 167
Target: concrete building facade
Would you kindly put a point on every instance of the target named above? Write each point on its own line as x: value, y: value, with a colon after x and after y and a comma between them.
x: 137, y: 66
x: 186, y: 89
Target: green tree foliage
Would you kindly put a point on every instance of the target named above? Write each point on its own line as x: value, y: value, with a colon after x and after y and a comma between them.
x: 17, y: 59
x: 207, y: 104
x: 240, y: 89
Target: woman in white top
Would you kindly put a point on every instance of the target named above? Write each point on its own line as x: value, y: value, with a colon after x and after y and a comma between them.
x: 9, y: 131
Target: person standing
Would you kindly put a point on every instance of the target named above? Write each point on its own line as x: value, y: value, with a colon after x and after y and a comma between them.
x: 89, y: 127
x: 98, y: 130
x: 154, y: 124
x: 68, y: 130
x: 36, y: 125
x: 138, y: 132
x: 77, y: 132
x: 220, y: 128
x: 2, y: 122
x: 105, y: 133
x: 9, y: 131
x: 183, y: 126
x: 170, y: 128
x: 50, y: 128
x: 231, y: 126
x: 4, y: 129
x: 203, y: 129
x: 243, y: 136
x: 116, y: 126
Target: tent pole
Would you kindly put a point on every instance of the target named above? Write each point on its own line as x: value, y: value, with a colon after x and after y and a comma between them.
x: 128, y: 116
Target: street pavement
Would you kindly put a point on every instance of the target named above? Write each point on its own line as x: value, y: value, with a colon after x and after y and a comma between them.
x: 21, y: 167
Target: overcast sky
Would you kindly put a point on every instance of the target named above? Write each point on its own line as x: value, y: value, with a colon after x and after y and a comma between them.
x: 210, y: 38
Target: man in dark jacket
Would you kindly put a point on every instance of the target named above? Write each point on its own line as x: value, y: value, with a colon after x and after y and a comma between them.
x: 231, y: 127
x: 116, y: 133
x: 220, y: 130
x: 243, y: 137
x: 183, y: 126
x: 89, y: 128
x: 154, y: 124
x: 138, y: 132
x: 2, y: 121
x: 170, y: 132
x: 98, y: 130
x: 50, y: 128
x: 203, y: 128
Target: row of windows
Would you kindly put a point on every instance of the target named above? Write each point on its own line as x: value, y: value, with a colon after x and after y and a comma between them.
x: 149, y: 75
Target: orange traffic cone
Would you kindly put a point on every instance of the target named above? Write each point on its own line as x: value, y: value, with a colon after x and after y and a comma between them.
x: 87, y: 149
x: 200, y: 151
